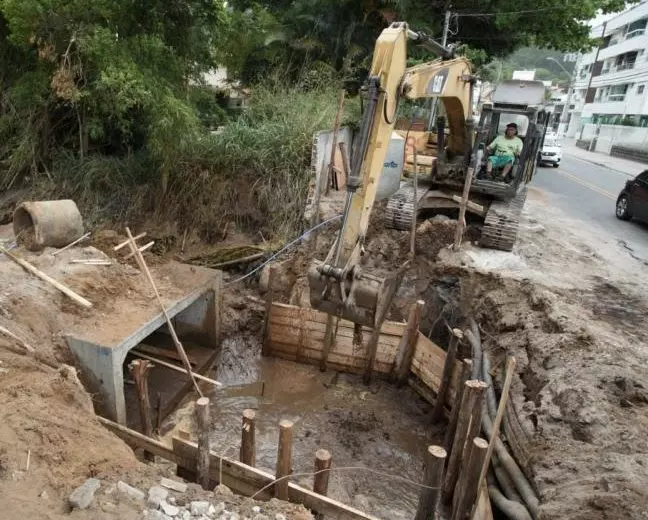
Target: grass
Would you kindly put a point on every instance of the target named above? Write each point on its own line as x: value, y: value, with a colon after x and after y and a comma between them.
x: 254, y: 173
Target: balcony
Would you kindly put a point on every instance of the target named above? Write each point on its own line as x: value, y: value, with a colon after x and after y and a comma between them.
x: 638, y: 40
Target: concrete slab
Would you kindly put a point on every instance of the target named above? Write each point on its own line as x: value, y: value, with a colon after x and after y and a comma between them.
x: 101, y: 349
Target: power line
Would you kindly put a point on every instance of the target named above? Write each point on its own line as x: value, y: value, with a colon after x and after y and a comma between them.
x: 477, y: 15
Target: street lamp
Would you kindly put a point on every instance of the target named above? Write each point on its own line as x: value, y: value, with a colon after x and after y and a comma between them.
x: 564, y: 116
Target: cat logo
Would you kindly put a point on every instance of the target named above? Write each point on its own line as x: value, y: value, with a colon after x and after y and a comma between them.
x: 437, y: 83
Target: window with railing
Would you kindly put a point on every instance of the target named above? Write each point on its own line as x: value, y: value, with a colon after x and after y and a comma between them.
x: 636, y: 28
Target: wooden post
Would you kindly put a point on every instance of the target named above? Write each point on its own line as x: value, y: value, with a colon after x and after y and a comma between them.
x: 202, y: 462
x: 461, y: 222
x: 468, y: 485
x: 321, y: 479
x: 429, y: 497
x: 372, y: 350
x: 284, y: 459
x: 329, y: 338
x: 268, y: 309
x: 407, y: 344
x: 510, y: 370
x: 456, y: 407
x: 248, y: 442
x: 139, y: 370
x: 448, y: 367
x: 414, y: 204
x: 472, y: 389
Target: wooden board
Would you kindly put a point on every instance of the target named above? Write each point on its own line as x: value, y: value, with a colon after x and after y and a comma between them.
x: 247, y: 480
x: 428, y: 363
x: 239, y: 477
x: 297, y: 334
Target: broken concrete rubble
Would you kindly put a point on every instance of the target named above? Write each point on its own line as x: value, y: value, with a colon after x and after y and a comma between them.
x: 81, y: 497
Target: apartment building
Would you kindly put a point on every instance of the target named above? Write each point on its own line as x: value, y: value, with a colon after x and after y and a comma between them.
x: 611, y: 81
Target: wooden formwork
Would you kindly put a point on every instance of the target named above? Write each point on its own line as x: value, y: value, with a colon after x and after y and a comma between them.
x: 297, y: 334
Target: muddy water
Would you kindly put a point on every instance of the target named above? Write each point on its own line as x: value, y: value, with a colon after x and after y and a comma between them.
x: 380, y: 427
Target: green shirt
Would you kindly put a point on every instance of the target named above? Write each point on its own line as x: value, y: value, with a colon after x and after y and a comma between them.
x: 503, y: 146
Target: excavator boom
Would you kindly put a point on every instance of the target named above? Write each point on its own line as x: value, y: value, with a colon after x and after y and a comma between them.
x: 338, y: 285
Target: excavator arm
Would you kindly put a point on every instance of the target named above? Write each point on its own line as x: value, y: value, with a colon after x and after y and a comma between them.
x: 338, y: 285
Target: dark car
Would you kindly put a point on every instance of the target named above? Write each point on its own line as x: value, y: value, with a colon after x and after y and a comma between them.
x: 633, y: 199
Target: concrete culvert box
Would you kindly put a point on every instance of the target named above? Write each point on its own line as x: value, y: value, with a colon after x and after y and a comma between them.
x: 53, y: 223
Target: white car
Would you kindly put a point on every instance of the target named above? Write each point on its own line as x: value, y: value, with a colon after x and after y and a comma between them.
x: 551, y: 151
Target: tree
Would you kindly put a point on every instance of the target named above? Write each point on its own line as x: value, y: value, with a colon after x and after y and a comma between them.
x: 103, y: 73
x: 342, y: 33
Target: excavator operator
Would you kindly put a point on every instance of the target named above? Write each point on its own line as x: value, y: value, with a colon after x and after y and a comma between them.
x: 504, y: 150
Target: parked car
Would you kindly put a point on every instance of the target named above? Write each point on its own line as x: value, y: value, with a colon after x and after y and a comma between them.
x: 633, y: 199
x: 551, y: 152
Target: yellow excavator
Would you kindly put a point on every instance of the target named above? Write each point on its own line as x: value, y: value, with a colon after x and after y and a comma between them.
x: 338, y: 285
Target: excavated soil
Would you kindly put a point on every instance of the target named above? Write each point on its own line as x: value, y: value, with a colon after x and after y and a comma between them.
x: 50, y: 438
x: 570, y: 305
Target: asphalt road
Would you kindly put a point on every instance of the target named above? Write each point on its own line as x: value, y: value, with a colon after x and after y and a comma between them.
x: 588, y: 192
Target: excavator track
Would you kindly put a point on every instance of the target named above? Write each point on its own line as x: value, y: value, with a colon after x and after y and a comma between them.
x: 400, y: 207
x: 502, y: 221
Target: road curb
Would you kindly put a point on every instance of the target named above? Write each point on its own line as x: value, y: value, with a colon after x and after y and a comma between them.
x: 601, y: 164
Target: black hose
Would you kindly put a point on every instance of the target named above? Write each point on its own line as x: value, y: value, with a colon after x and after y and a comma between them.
x: 513, y: 510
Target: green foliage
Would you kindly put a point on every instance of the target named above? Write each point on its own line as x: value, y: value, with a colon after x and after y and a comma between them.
x: 102, y: 76
x: 256, y: 171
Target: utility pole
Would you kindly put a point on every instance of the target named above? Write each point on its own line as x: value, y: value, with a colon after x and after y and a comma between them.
x: 444, y: 42
x: 564, y: 115
x: 589, y: 83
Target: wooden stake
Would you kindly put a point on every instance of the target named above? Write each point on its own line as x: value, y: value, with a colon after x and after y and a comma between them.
x: 181, y: 351
x: 40, y: 274
x: 247, y: 455
x: 456, y: 407
x: 429, y: 497
x: 268, y: 310
x: 468, y: 485
x: 407, y: 344
x: 323, y: 461
x: 140, y: 249
x: 510, y: 370
x: 448, y: 367
x: 461, y: 222
x: 284, y: 459
x: 139, y: 370
x: 125, y: 242
x: 372, y: 350
x: 72, y: 244
x: 203, y: 423
x: 472, y: 389
x: 158, y: 417
x: 414, y: 204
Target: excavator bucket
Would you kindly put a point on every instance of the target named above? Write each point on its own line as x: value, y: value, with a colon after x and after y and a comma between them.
x: 352, y: 295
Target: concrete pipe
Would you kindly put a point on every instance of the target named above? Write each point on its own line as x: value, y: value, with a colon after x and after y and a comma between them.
x: 53, y: 223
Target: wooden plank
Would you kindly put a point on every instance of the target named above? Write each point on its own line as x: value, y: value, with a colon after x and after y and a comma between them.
x: 162, y: 352
x: 293, y: 311
x: 353, y: 365
x: 137, y: 440
x: 48, y: 279
x: 243, y: 478
x: 318, y: 329
x: 423, y: 160
x: 343, y: 346
x: 311, y: 355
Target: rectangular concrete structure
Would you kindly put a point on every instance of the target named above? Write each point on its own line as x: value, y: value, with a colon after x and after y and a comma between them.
x: 101, y: 350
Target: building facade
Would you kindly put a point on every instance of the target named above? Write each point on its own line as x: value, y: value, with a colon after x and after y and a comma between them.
x: 611, y: 82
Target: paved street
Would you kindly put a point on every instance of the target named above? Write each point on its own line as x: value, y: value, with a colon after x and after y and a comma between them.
x: 588, y: 192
